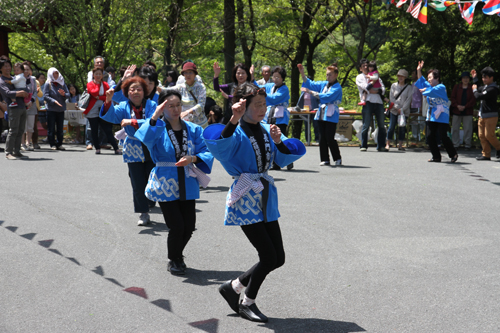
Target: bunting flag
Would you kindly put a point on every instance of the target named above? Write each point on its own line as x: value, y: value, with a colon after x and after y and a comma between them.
x: 422, y: 17
x: 467, y: 11
x: 410, y: 7
x: 402, y: 2
x: 492, y: 7
x: 441, y: 6
x: 416, y: 9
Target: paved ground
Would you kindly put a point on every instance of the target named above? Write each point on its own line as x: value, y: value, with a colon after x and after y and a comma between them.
x: 386, y: 243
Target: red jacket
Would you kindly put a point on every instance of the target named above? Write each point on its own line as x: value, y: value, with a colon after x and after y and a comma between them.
x: 93, y: 90
x: 456, y: 100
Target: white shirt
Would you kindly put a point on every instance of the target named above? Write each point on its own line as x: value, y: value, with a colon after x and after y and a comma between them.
x: 362, y: 82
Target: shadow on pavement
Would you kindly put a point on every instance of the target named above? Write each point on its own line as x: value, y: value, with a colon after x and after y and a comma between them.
x: 211, y: 189
x: 299, y: 325
x: 37, y: 159
x: 208, y: 278
x: 351, y: 167
x: 154, y: 228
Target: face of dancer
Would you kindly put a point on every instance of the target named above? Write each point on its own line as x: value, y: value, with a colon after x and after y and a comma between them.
x: 432, y: 81
x: 173, y: 108
x: 277, y: 79
x: 151, y: 86
x: 189, y: 76
x: 331, y: 76
x: 135, y: 93
x: 256, y: 110
x: 241, y: 75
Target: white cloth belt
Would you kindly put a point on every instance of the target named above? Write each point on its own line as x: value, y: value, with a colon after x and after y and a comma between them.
x: 247, y: 182
x: 191, y: 171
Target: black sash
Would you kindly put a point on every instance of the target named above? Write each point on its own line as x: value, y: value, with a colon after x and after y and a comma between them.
x: 180, y: 151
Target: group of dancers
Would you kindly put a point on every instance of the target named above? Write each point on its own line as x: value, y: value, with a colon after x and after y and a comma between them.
x: 169, y: 157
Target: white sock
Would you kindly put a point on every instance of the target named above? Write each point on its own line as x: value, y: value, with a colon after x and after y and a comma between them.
x: 237, y: 286
x: 247, y: 301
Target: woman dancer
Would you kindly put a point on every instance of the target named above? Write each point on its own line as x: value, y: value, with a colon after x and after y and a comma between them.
x: 247, y: 151
x: 131, y: 114
x: 329, y: 93
x: 438, y: 113
x: 181, y: 159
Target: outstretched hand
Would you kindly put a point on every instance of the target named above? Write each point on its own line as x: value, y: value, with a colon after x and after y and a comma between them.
x: 301, y: 69
x: 216, y: 69
x: 420, y: 65
x: 109, y: 95
x: 129, y: 72
x: 473, y: 73
x: 275, y: 133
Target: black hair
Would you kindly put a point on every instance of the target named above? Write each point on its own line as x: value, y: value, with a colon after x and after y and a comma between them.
x: 72, y: 85
x: 110, y: 69
x: 435, y: 74
x: 173, y: 75
x: 4, y: 60
x: 243, y: 67
x: 247, y: 91
x: 39, y: 74
x: 362, y: 62
x: 280, y: 70
x: 148, y: 72
x: 488, y: 71
x: 122, y: 70
x: 150, y: 63
x: 18, y: 64
x: 166, y: 93
x: 373, y: 64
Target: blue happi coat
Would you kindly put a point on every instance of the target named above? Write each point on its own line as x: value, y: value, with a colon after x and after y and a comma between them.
x: 436, y: 97
x: 237, y: 156
x: 132, y: 148
x: 279, y: 98
x: 330, y: 99
x: 163, y: 183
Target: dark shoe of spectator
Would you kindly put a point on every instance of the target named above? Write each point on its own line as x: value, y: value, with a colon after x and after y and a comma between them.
x: 175, y: 267
x: 324, y: 163
x: 2, y: 150
x: 61, y: 148
x: 105, y: 147
x: 483, y: 158
x: 97, y: 151
x: 19, y: 155
x: 454, y: 158
x: 497, y: 155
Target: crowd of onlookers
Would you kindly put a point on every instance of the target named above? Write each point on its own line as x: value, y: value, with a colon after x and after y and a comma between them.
x: 27, y: 102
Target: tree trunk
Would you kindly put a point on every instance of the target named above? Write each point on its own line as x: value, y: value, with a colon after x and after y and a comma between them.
x: 229, y: 38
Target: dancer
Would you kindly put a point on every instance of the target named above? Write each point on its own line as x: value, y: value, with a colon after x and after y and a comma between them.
x: 438, y: 112
x: 329, y: 93
x: 181, y: 159
x: 247, y: 152
x: 131, y: 114
x: 277, y: 99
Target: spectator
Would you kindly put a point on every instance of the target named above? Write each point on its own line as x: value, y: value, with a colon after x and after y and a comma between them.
x: 171, y: 78
x: 193, y: 95
x: 97, y: 89
x: 55, y: 94
x: 417, y: 126
x: 400, y: 98
x: 266, y: 76
x: 438, y: 112
x: 32, y: 108
x: 42, y: 111
x: 39, y: 104
x: 17, y: 115
x: 374, y: 106
x: 215, y: 115
x: 74, y: 98
x: 112, y: 75
x: 329, y: 93
x: 240, y: 74
x: 462, y: 107
x: 99, y: 63
x: 3, y: 109
x: 488, y: 112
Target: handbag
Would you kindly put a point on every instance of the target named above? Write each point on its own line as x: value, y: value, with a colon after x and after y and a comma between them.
x: 387, y: 111
x: 84, y: 100
x: 401, y: 120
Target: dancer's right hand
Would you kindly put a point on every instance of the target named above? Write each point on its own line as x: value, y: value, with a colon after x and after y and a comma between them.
x: 239, y: 109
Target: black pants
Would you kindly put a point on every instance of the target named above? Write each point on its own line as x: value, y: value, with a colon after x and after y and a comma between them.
x: 440, y: 129
x: 106, y: 127
x: 55, y: 123
x: 180, y: 217
x: 327, y: 140
x: 266, y: 238
x: 139, y: 175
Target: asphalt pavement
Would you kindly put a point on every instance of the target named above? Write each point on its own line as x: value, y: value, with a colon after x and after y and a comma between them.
x: 386, y: 243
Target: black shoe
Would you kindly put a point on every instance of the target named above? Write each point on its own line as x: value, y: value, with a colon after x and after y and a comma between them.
x: 232, y: 297
x: 276, y: 167
x: 383, y: 149
x: 152, y: 204
x: 454, y: 158
x: 483, y: 158
x: 183, y: 264
x: 252, y: 313
x: 433, y: 160
x: 497, y: 154
x: 289, y: 166
x: 2, y: 150
x: 175, y: 267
